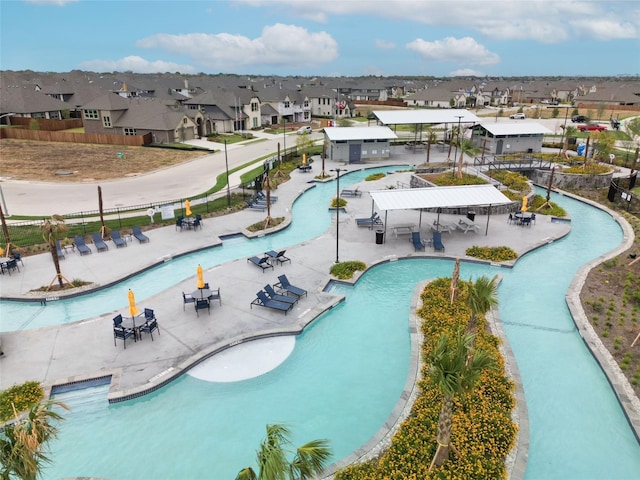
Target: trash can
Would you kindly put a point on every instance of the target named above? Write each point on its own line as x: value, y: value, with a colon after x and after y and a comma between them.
x: 471, y: 216
x: 379, y: 237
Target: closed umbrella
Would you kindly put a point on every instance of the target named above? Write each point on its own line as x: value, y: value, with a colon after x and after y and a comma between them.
x: 187, y: 207
x: 200, y: 279
x: 524, y: 204
x: 133, y: 310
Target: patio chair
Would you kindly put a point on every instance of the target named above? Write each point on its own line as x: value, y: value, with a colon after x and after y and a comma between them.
x: 273, y: 295
x: 179, y: 223
x: 263, y: 301
x: 10, y: 265
x: 117, y: 239
x: 201, y: 305
x: 17, y: 257
x: 151, y: 323
x: 263, y: 262
x: 533, y: 218
x: 59, y: 250
x: 141, y: 237
x: 278, y: 256
x: 437, y: 241
x: 197, y: 224
x: 120, y: 332
x: 215, y: 295
x: 510, y: 219
x: 99, y: 242
x: 186, y: 298
x: 81, y: 245
x: 284, y: 285
x: 417, y: 241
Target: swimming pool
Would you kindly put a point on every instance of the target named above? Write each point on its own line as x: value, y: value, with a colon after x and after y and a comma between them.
x: 578, y: 429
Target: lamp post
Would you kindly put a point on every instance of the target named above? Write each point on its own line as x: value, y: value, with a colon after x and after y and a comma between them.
x: 455, y: 156
x: 564, y: 128
x: 226, y: 163
x: 338, y: 170
x: 284, y: 139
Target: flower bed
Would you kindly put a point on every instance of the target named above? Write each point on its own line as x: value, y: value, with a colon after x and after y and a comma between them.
x: 483, y: 432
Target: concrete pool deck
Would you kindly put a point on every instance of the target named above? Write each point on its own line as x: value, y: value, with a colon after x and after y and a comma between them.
x: 84, y: 350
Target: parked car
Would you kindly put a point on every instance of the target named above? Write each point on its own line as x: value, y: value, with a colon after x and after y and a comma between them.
x: 592, y: 127
x: 518, y: 116
x: 304, y: 130
x: 579, y: 119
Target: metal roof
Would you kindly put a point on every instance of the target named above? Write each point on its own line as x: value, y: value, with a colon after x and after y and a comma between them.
x: 402, y: 117
x: 432, y: 197
x: 359, y: 133
x: 521, y: 127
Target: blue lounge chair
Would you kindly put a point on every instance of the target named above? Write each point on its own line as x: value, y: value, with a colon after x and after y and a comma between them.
x: 278, y: 256
x: 417, y: 241
x: 369, y: 222
x: 81, y: 245
x: 285, y: 286
x: 99, y: 242
x: 278, y: 297
x: 264, y: 301
x: 263, y: 262
x: 142, y: 238
x: 437, y: 241
x: 117, y: 239
x: 59, y: 250
x: 254, y: 205
x: 263, y: 197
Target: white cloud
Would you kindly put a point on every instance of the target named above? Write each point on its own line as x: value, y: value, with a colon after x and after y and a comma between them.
x: 385, y: 45
x: 544, y: 21
x: 135, y: 64
x: 58, y: 3
x: 466, y: 72
x: 465, y: 51
x: 278, y: 45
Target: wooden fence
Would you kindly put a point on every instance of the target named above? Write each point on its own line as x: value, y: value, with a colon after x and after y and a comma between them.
x: 72, y: 137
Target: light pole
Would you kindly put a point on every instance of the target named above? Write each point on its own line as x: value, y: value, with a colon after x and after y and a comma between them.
x: 564, y: 128
x: 226, y: 163
x: 455, y: 156
x: 338, y: 170
x: 284, y: 139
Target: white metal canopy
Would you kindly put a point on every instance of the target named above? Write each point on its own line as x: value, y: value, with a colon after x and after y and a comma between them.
x: 433, y: 197
x: 446, y: 115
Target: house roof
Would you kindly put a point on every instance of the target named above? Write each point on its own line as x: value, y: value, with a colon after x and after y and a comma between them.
x: 359, y: 133
x: 404, y: 117
x: 521, y: 127
x: 433, y: 197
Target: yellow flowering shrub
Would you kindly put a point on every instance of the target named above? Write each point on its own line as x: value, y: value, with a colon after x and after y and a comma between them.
x: 482, y: 433
x: 21, y: 396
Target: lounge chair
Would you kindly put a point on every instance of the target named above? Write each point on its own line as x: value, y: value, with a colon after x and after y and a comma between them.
x: 355, y: 192
x: 437, y: 241
x: 273, y: 295
x: 285, y: 286
x: 417, y: 241
x: 99, y: 242
x: 257, y: 206
x: 278, y: 256
x: 141, y: 237
x: 263, y: 262
x: 369, y: 222
x: 81, y: 245
x: 263, y: 196
x: 264, y: 301
x: 117, y: 239
x: 59, y: 250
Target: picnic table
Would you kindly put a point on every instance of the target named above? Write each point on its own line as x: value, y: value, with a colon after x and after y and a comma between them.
x: 444, y: 227
x: 466, y: 225
x: 403, y: 229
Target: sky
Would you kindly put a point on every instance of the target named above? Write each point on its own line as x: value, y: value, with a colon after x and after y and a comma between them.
x: 324, y: 37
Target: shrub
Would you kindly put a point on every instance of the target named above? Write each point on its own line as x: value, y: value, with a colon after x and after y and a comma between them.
x: 494, y: 254
x: 338, y: 202
x: 274, y: 221
x: 23, y: 397
x: 375, y: 176
x: 345, y: 270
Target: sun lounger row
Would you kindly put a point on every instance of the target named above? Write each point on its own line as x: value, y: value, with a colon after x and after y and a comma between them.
x: 282, y: 300
x: 81, y: 246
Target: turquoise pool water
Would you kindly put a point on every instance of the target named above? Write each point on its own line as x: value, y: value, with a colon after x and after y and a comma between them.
x: 348, y: 369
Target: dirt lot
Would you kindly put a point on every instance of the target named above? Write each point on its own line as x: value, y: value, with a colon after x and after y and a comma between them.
x: 608, y: 294
x: 71, y: 162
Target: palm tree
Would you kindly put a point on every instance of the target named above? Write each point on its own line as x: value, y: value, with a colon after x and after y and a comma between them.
x: 569, y: 131
x: 483, y: 295
x: 23, y: 448
x: 450, y: 372
x: 431, y: 138
x: 51, y: 229
x: 309, y: 460
x: 467, y: 147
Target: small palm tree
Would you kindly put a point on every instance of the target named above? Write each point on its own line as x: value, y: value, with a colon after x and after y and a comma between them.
x: 450, y: 372
x: 482, y: 296
x: 467, y: 147
x: 51, y: 230
x: 431, y: 138
x: 569, y: 131
x: 23, y: 447
x: 309, y: 460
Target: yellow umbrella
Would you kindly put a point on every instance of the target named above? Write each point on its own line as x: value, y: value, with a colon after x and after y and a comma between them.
x: 304, y: 159
x: 1, y: 251
x: 133, y: 310
x: 187, y: 207
x: 200, y: 279
x: 524, y: 204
